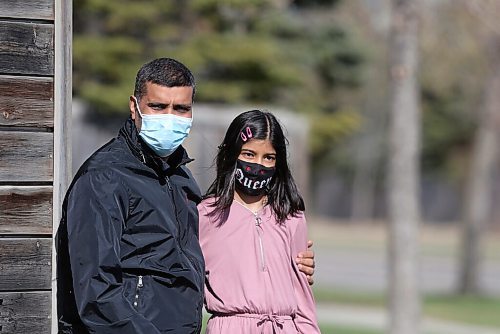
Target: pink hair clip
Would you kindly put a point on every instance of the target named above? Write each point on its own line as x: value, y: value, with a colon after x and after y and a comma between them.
x: 248, y: 134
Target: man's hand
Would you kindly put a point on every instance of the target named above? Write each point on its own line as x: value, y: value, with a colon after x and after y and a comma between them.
x: 305, y: 262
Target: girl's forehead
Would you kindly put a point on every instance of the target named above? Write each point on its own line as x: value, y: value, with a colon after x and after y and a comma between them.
x: 259, y: 145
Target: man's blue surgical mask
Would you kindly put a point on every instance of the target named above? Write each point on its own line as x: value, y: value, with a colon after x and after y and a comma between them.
x: 163, y: 133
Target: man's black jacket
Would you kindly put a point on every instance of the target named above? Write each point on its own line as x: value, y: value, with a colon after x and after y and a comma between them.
x: 128, y: 255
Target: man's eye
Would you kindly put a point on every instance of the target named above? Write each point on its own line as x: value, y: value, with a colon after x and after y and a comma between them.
x: 158, y: 107
x: 183, y: 110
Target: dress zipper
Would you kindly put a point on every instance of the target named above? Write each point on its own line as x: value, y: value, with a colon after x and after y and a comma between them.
x: 258, y: 222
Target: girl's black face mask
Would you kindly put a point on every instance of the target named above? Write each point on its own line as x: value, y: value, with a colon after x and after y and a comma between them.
x: 252, y: 179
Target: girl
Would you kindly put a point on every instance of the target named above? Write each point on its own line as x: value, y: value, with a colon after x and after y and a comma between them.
x: 251, y: 226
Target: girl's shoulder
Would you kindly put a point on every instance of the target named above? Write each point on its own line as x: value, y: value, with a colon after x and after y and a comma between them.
x: 299, y: 216
x: 206, y: 205
x: 297, y: 224
x: 207, y: 201
x: 293, y: 221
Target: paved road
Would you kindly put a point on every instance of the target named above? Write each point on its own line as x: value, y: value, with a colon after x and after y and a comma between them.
x: 367, y: 271
x: 347, y: 259
x: 375, y: 319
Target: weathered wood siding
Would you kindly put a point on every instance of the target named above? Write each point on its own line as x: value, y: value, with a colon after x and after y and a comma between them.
x: 29, y: 99
x: 26, y: 156
x: 26, y: 101
x: 27, y: 48
x: 25, y: 210
x: 27, y: 9
x: 25, y: 264
x: 25, y: 312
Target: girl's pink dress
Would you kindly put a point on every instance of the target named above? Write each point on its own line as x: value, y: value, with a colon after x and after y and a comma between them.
x: 252, y: 284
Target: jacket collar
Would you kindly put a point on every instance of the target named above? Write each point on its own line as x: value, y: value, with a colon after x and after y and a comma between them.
x: 142, y: 151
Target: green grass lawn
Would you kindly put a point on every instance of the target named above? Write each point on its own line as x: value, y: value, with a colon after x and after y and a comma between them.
x: 329, y: 329
x: 469, y: 309
x: 477, y: 310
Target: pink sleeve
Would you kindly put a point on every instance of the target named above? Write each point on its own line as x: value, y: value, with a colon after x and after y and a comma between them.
x: 204, y: 223
x: 306, y: 312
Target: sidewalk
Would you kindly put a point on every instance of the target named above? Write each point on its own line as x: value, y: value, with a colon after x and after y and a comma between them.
x: 376, y: 319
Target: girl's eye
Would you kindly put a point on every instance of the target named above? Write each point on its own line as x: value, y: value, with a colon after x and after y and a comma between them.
x: 270, y: 158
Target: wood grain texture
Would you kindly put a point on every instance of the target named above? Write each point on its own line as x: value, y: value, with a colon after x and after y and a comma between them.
x: 25, y: 312
x: 25, y: 264
x: 63, y: 25
x: 26, y: 48
x: 26, y: 156
x: 28, y: 9
x: 26, y: 101
x: 26, y: 210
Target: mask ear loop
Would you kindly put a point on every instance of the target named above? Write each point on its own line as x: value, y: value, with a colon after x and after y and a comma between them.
x: 137, y: 105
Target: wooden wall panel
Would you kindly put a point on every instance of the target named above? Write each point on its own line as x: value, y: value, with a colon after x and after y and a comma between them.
x: 27, y: 9
x: 25, y: 264
x: 26, y: 101
x: 25, y: 312
x: 26, y: 210
x: 25, y: 156
x: 26, y: 48
x: 28, y: 97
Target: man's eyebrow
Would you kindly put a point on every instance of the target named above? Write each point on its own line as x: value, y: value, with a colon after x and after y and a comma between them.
x: 157, y: 104
x: 183, y: 105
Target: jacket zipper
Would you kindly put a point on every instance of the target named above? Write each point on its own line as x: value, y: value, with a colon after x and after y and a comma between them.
x: 180, y: 247
x: 258, y: 222
x: 139, y: 286
x: 171, y: 190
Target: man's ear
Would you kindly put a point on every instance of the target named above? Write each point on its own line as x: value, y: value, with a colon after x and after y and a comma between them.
x: 131, y: 105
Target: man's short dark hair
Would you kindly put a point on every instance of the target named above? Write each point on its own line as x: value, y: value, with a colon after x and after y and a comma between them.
x: 166, y: 72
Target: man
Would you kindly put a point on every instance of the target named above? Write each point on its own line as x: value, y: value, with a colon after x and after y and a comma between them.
x: 128, y: 258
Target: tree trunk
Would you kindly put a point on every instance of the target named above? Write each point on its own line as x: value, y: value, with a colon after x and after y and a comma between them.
x: 403, y: 173
x: 478, y: 204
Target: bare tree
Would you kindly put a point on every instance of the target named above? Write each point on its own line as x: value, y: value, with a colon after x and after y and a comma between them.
x: 480, y: 187
x: 478, y: 201
x: 403, y: 170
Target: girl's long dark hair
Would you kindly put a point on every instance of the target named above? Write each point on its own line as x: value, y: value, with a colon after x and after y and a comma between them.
x: 283, y: 195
